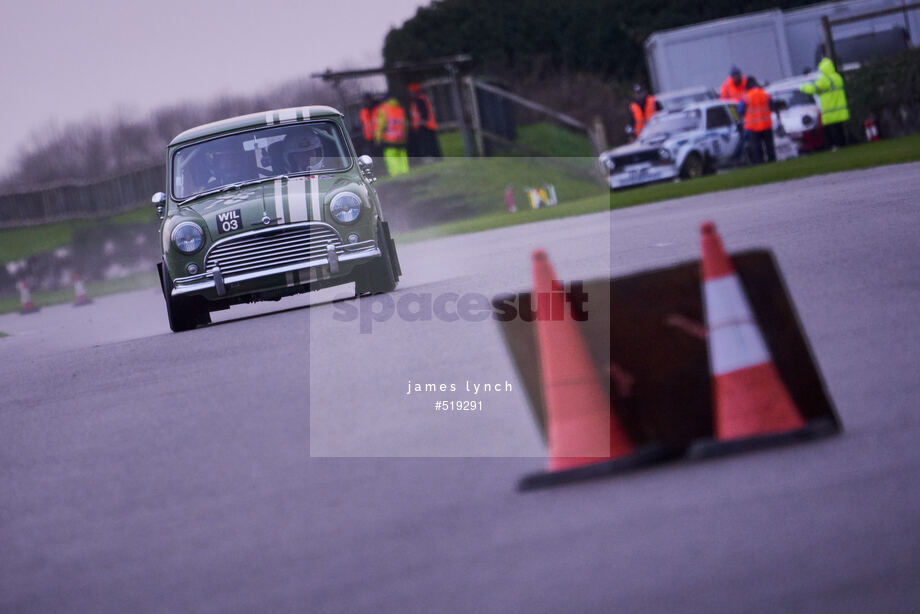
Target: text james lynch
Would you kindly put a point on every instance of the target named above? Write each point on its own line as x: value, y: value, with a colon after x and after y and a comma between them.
x: 468, y: 386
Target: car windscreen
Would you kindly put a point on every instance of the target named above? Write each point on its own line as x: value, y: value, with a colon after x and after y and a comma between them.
x: 671, y: 123
x: 258, y: 154
x: 676, y: 103
x: 793, y: 98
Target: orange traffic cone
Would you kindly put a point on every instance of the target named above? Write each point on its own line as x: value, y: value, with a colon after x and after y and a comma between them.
x: 25, y: 299
x: 79, y: 291
x: 584, y: 435
x: 751, y: 405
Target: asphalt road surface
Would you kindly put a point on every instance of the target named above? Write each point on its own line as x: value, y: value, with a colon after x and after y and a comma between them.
x: 274, y: 462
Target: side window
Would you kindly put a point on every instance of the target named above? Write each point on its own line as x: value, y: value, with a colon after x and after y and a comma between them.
x: 717, y: 117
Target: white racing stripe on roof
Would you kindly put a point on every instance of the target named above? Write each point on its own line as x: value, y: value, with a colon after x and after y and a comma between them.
x: 314, y: 198
x: 306, y: 112
x: 297, y: 199
x: 268, y: 118
x: 287, y: 115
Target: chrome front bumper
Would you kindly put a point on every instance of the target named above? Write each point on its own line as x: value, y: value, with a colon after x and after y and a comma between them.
x: 335, y: 254
x: 639, y: 174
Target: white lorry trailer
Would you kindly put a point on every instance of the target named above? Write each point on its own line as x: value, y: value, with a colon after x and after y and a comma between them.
x: 776, y: 44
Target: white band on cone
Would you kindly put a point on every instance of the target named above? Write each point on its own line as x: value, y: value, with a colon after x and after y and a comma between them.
x: 735, y: 341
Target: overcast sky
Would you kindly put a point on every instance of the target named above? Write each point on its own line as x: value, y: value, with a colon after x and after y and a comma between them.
x: 71, y: 59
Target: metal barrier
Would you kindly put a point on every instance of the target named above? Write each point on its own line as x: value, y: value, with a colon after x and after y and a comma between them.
x: 67, y: 202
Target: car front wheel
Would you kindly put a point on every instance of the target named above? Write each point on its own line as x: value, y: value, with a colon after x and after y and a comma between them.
x: 693, y: 167
x: 183, y: 312
x: 381, y: 275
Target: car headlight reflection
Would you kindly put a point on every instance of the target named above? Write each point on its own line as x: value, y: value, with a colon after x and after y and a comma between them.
x: 345, y: 207
x: 187, y: 237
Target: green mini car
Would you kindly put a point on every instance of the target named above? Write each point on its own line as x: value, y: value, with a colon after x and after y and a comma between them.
x: 267, y: 205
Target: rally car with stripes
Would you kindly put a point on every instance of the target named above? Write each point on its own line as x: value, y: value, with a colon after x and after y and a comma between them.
x: 267, y: 205
x: 697, y: 139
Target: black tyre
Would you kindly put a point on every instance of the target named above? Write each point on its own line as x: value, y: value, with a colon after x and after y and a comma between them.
x: 693, y: 167
x: 381, y: 275
x: 184, y: 313
x: 394, y: 256
x: 709, y: 166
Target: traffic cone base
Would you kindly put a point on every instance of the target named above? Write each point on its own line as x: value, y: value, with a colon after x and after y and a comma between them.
x: 754, y: 401
x: 642, y: 457
x: 713, y: 448
x: 580, y: 439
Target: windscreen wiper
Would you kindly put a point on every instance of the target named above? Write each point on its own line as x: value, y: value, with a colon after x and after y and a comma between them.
x: 230, y: 186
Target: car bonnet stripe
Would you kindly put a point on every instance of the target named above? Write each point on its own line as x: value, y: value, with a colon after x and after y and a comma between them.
x: 314, y: 198
x: 279, y: 201
x: 297, y: 199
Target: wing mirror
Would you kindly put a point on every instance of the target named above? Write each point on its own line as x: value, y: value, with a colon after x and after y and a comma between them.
x: 159, y: 199
x: 630, y: 133
x: 366, y: 164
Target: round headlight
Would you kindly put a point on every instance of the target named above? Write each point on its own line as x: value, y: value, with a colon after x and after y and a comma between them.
x: 187, y: 237
x: 345, y: 207
x: 664, y: 154
x: 610, y: 164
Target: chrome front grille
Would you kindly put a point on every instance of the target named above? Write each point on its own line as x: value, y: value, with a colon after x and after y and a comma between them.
x: 265, y: 249
x: 648, y: 155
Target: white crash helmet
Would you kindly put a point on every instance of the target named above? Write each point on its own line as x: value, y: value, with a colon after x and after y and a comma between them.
x: 303, y: 152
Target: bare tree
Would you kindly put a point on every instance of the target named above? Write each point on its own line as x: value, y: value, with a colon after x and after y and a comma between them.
x: 92, y: 149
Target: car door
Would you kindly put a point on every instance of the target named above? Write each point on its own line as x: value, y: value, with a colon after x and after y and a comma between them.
x: 722, y: 130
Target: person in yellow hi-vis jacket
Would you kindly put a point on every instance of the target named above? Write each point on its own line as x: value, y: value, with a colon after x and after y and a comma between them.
x: 391, y: 133
x: 834, y: 111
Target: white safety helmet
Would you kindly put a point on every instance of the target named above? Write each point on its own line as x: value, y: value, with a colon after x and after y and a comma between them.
x: 303, y: 152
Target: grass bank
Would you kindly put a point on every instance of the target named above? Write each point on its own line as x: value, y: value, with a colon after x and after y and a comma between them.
x: 866, y: 155
x: 16, y: 243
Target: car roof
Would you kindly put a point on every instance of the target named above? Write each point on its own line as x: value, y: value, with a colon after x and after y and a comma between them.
x: 254, y: 120
x: 702, y: 105
x: 791, y: 82
x: 699, y: 89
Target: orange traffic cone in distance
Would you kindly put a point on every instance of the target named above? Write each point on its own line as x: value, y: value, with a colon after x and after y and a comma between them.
x: 751, y: 405
x: 79, y: 292
x: 584, y: 436
x: 25, y: 299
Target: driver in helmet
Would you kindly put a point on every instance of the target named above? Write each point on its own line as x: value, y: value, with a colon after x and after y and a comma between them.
x: 303, y: 152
